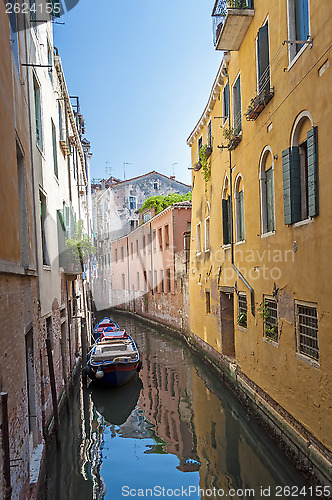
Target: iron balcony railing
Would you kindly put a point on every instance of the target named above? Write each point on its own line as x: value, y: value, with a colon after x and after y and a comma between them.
x: 220, y: 10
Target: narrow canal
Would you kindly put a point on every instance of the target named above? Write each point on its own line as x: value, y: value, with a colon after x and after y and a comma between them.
x: 176, y: 427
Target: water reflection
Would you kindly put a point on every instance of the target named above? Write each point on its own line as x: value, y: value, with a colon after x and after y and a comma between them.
x: 175, y: 426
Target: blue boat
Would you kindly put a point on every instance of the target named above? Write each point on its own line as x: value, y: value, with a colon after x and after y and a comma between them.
x: 114, y: 359
x: 102, y: 325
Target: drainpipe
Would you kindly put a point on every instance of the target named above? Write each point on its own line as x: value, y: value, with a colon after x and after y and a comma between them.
x: 238, y: 272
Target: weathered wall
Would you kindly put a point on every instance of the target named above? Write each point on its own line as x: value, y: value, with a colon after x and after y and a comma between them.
x: 295, y: 258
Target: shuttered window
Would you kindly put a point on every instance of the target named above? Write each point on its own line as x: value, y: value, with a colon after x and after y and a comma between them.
x: 55, y: 156
x: 263, y: 59
x: 269, y: 200
x: 300, y: 178
x: 301, y: 21
x: 237, y: 118
x: 226, y: 220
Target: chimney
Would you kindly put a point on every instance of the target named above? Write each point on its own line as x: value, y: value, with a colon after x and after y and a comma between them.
x: 172, y: 177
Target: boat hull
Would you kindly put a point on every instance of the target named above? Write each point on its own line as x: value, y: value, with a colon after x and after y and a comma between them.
x: 115, y: 375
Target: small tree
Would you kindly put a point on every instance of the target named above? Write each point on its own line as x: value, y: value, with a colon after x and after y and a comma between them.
x: 80, y: 247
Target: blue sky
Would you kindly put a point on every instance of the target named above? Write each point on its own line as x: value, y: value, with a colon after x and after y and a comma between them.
x: 143, y: 71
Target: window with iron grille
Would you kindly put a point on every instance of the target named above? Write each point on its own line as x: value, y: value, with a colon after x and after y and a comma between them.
x: 242, y: 310
x: 307, y: 330
x: 269, y: 312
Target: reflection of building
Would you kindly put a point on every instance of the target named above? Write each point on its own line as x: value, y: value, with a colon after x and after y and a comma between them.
x: 166, y: 398
x: 260, y: 287
x: 148, y: 267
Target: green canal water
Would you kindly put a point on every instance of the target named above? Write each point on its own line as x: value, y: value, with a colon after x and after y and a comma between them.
x: 175, y: 431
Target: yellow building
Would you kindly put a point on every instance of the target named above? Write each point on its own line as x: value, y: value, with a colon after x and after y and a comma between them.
x: 260, y: 276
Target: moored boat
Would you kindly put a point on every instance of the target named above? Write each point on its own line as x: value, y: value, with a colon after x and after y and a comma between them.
x: 105, y: 324
x: 114, y: 359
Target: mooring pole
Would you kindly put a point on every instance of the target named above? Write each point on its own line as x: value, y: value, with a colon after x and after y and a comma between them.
x: 53, y: 391
x: 84, y: 341
x: 5, y: 445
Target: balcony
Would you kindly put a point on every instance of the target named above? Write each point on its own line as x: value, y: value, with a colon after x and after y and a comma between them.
x: 231, y: 20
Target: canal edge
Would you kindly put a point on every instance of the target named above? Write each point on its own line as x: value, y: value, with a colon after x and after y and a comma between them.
x: 300, y: 446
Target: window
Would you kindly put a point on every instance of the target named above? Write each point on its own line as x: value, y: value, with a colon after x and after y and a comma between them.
x: 298, y: 22
x: 209, y: 134
x: 198, y: 238
x: 267, y: 191
x: 138, y: 282
x: 242, y: 310
x: 167, y: 236
x: 237, y: 118
x: 161, y: 280
x: 155, y: 281
x: 50, y: 61
x: 132, y: 202
x: 145, y: 281
x: 154, y: 241
x: 300, y: 176
x: 116, y: 255
x: 132, y: 250
x: 149, y: 243
x: 239, y: 209
x: 43, y: 215
x: 144, y: 246
x: 269, y: 312
x: 122, y: 254
x: 38, y: 118
x: 55, y: 156
x: 14, y: 38
x: 168, y: 280
x: 156, y: 185
x: 225, y: 103
x: 123, y: 282
x: 208, y: 301
x: 160, y: 237
x: 22, y: 204
x: 60, y: 122
x: 133, y: 224
x: 137, y: 248
x: 199, y: 145
x: 150, y: 280
x: 307, y: 330
x: 263, y: 59
x: 207, y: 235
x: 226, y: 214
x: 146, y: 216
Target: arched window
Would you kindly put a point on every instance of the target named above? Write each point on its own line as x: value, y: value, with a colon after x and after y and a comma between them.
x: 239, y: 208
x: 226, y: 213
x: 266, y: 179
x: 300, y: 171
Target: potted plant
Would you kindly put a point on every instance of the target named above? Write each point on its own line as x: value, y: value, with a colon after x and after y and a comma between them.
x: 258, y: 103
x: 242, y: 319
x: 270, y: 331
x: 204, y: 155
x: 79, y: 249
x: 233, y: 136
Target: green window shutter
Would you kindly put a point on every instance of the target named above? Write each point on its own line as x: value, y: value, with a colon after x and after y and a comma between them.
x: 286, y: 174
x: 225, y: 224
x: 241, y: 214
x: 296, y: 184
x: 269, y: 200
x: 312, y: 150
x: 291, y: 185
x: 263, y: 59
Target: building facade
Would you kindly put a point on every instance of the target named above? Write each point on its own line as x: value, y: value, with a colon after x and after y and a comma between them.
x: 146, y: 271
x: 261, y: 239
x: 43, y: 196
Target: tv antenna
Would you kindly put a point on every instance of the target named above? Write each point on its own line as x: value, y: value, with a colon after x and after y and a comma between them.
x: 108, y: 169
x: 174, y: 169
x: 124, y: 169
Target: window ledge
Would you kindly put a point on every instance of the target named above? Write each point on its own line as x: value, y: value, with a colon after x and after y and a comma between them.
x: 269, y: 341
x: 198, y: 254
x: 40, y: 150
x: 308, y: 360
x: 298, y: 55
x: 242, y: 328
x: 228, y: 246
x: 47, y: 268
x: 269, y: 233
x: 303, y: 222
x: 207, y: 250
x: 239, y: 242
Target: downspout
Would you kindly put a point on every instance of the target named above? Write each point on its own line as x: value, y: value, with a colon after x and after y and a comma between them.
x: 238, y: 272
